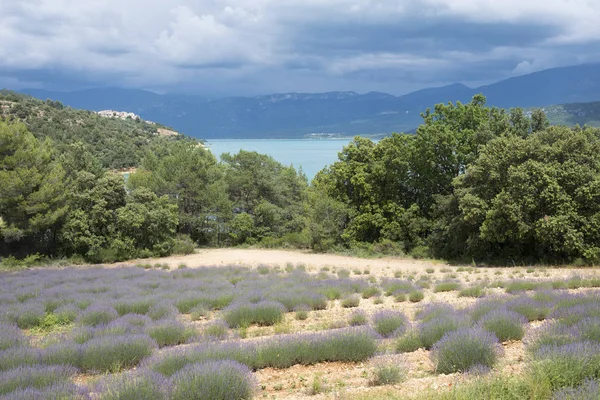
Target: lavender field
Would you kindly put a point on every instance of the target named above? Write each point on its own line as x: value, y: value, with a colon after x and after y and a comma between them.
x: 291, y: 331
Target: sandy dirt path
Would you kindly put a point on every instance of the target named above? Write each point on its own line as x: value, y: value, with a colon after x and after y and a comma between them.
x: 254, y: 257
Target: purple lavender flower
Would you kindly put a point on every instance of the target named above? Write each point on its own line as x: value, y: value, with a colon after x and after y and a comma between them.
x: 390, y: 323
x: 460, y: 350
x: 506, y: 325
x: 11, y: 336
x: 590, y: 389
x: 34, y: 377
x: 214, y: 380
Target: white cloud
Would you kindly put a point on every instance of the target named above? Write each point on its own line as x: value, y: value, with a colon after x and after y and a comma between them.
x: 151, y: 43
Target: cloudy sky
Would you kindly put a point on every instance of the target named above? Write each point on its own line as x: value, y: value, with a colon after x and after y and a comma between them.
x: 244, y: 47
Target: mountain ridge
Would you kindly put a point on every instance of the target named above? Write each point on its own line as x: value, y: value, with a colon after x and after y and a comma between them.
x: 293, y: 115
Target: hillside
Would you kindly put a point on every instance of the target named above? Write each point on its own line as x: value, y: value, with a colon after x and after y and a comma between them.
x: 574, y: 114
x: 293, y: 115
x: 116, y: 143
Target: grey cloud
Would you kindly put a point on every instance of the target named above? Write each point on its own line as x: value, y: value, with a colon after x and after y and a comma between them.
x: 260, y: 46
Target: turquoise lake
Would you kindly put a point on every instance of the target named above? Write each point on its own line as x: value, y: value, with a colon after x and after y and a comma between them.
x: 312, y: 155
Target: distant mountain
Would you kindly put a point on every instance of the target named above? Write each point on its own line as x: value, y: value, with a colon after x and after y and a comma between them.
x: 292, y: 115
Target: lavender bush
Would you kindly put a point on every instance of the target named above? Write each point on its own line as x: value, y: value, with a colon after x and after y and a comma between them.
x: 531, y: 309
x: 170, y: 333
x: 36, y: 377
x: 567, y: 365
x: 588, y: 390
x: 56, y: 391
x: 134, y: 386
x: 113, y: 354
x: 358, y: 318
x: 345, y: 345
x: 97, y: 315
x: 213, y: 380
x: 264, y: 313
x: 506, y: 325
x: 432, y: 330
x: 463, y: 349
x: 390, y: 323
x: 18, y: 356
x: 216, y: 330
x: 11, y: 336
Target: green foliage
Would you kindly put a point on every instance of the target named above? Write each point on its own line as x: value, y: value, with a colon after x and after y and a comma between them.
x: 473, y: 291
x: 32, y: 181
x: 213, y: 381
x: 463, y: 349
x: 350, y: 301
x: 387, y: 373
x: 529, y: 197
x: 409, y: 342
x: 169, y: 334
x: 115, y: 143
x: 446, y: 287
x: 264, y: 314
x: 494, y: 388
x: 190, y: 176
x: 416, y: 296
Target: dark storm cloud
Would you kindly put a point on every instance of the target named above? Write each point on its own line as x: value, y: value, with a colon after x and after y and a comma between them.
x: 261, y: 46
x: 418, y: 37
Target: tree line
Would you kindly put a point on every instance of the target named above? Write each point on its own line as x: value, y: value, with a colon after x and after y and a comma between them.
x: 472, y: 183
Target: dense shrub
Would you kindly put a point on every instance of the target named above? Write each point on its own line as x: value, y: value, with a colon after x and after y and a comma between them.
x: 113, y: 354
x: 473, y: 291
x: 97, y: 315
x: 463, y: 349
x: 551, y: 334
x: 134, y: 306
x: 387, y: 372
x: 161, y: 311
x: 506, y: 325
x: 432, y: 330
x: 589, y: 329
x: 416, y: 296
x: 567, y: 365
x: 134, y: 386
x: 446, y: 287
x: 216, y: 330
x: 345, y: 345
x: 531, y: 309
x: 169, y: 333
x: 57, y: 391
x: 30, y: 316
x: 434, y: 310
x: 350, y: 301
x: 18, y: 356
x: 357, y: 318
x: 590, y: 389
x: 34, y: 377
x: 409, y: 342
x: 390, y: 323
x: 213, y: 380
x: 265, y: 313
x: 11, y: 336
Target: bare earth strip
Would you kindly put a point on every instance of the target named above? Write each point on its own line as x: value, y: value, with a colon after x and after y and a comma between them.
x: 254, y: 257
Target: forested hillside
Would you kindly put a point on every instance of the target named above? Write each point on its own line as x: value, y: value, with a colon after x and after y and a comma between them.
x: 115, y: 143
x: 473, y: 183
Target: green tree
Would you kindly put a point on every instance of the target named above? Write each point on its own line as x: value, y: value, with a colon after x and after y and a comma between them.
x: 32, y: 201
x: 271, y: 193
x: 529, y: 198
x: 190, y: 176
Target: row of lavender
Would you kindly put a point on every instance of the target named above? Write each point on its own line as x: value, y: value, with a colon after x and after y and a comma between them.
x: 565, y: 350
x: 102, y: 340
